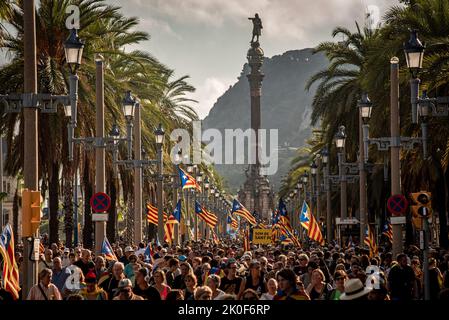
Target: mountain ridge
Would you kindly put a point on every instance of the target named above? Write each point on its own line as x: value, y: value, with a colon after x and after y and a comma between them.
x: 285, y: 105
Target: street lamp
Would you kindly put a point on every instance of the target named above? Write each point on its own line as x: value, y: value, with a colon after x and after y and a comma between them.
x: 206, y: 183
x: 313, y: 168
x: 325, y: 155
x: 73, y: 48
x: 128, y: 105
x: 414, y: 53
x: 199, y: 177
x: 305, y: 178
x: 365, y: 108
x: 159, y: 133
x: 340, y: 138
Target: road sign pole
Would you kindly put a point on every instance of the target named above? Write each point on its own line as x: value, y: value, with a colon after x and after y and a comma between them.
x: 100, y: 186
x: 395, y: 149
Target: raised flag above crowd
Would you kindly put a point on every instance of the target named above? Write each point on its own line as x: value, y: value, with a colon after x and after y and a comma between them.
x: 187, y: 181
x: 241, y: 211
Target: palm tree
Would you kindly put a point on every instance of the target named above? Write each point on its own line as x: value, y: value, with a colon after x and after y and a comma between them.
x: 108, y: 32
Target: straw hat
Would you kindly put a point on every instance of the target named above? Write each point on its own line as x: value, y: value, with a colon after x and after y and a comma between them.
x: 354, y: 289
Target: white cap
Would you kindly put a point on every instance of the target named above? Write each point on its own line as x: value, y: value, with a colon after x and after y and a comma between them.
x: 129, y: 249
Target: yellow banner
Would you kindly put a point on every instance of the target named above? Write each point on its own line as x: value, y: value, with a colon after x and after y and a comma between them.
x: 262, y: 236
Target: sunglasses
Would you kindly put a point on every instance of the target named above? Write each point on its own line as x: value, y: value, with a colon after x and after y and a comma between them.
x: 249, y: 298
x: 125, y: 290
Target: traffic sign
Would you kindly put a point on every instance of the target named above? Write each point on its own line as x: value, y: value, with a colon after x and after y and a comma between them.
x: 100, y: 217
x: 100, y: 202
x: 397, y: 205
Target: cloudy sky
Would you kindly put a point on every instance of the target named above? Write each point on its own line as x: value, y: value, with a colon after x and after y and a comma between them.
x: 208, y: 39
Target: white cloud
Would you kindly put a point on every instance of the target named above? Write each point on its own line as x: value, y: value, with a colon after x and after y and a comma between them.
x: 290, y: 19
x: 203, y: 38
x: 208, y: 92
x: 155, y: 26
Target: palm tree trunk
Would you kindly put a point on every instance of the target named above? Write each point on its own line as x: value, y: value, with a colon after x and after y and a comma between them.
x: 88, y: 192
x: 15, y: 214
x: 112, y: 212
x: 54, y: 203
x: 68, y: 209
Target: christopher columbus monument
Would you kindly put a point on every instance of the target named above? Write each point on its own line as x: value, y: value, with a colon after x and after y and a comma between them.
x: 256, y: 194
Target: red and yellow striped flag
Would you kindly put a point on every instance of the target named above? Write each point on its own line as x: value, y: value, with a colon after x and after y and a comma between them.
x: 10, y: 269
x: 169, y: 228
x: 315, y: 231
x: 152, y: 214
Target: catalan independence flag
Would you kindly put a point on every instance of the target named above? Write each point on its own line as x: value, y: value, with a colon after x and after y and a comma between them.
x: 10, y: 273
x: 148, y: 254
x: 387, y: 231
x: 177, y: 211
x: 370, y: 241
x: 315, y: 231
x: 304, y: 218
x: 215, y: 237
x: 240, y: 210
x: 187, y: 181
x: 106, y: 249
x: 208, y: 217
x: 233, y: 222
x: 152, y: 214
x: 282, y: 208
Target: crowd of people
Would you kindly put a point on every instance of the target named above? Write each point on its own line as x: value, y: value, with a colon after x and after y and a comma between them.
x: 205, y: 271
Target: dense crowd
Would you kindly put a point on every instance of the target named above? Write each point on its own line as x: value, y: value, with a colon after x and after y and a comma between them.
x: 204, y: 271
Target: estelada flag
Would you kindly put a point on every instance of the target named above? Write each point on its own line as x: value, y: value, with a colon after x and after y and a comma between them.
x: 10, y: 269
x: 106, y: 249
x: 240, y: 210
x: 187, y: 181
x: 210, y: 219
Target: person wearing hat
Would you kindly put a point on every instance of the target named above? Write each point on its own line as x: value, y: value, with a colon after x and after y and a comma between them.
x: 355, y: 290
x: 65, y: 258
x: 126, y: 292
x: 92, y: 291
x: 125, y: 259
